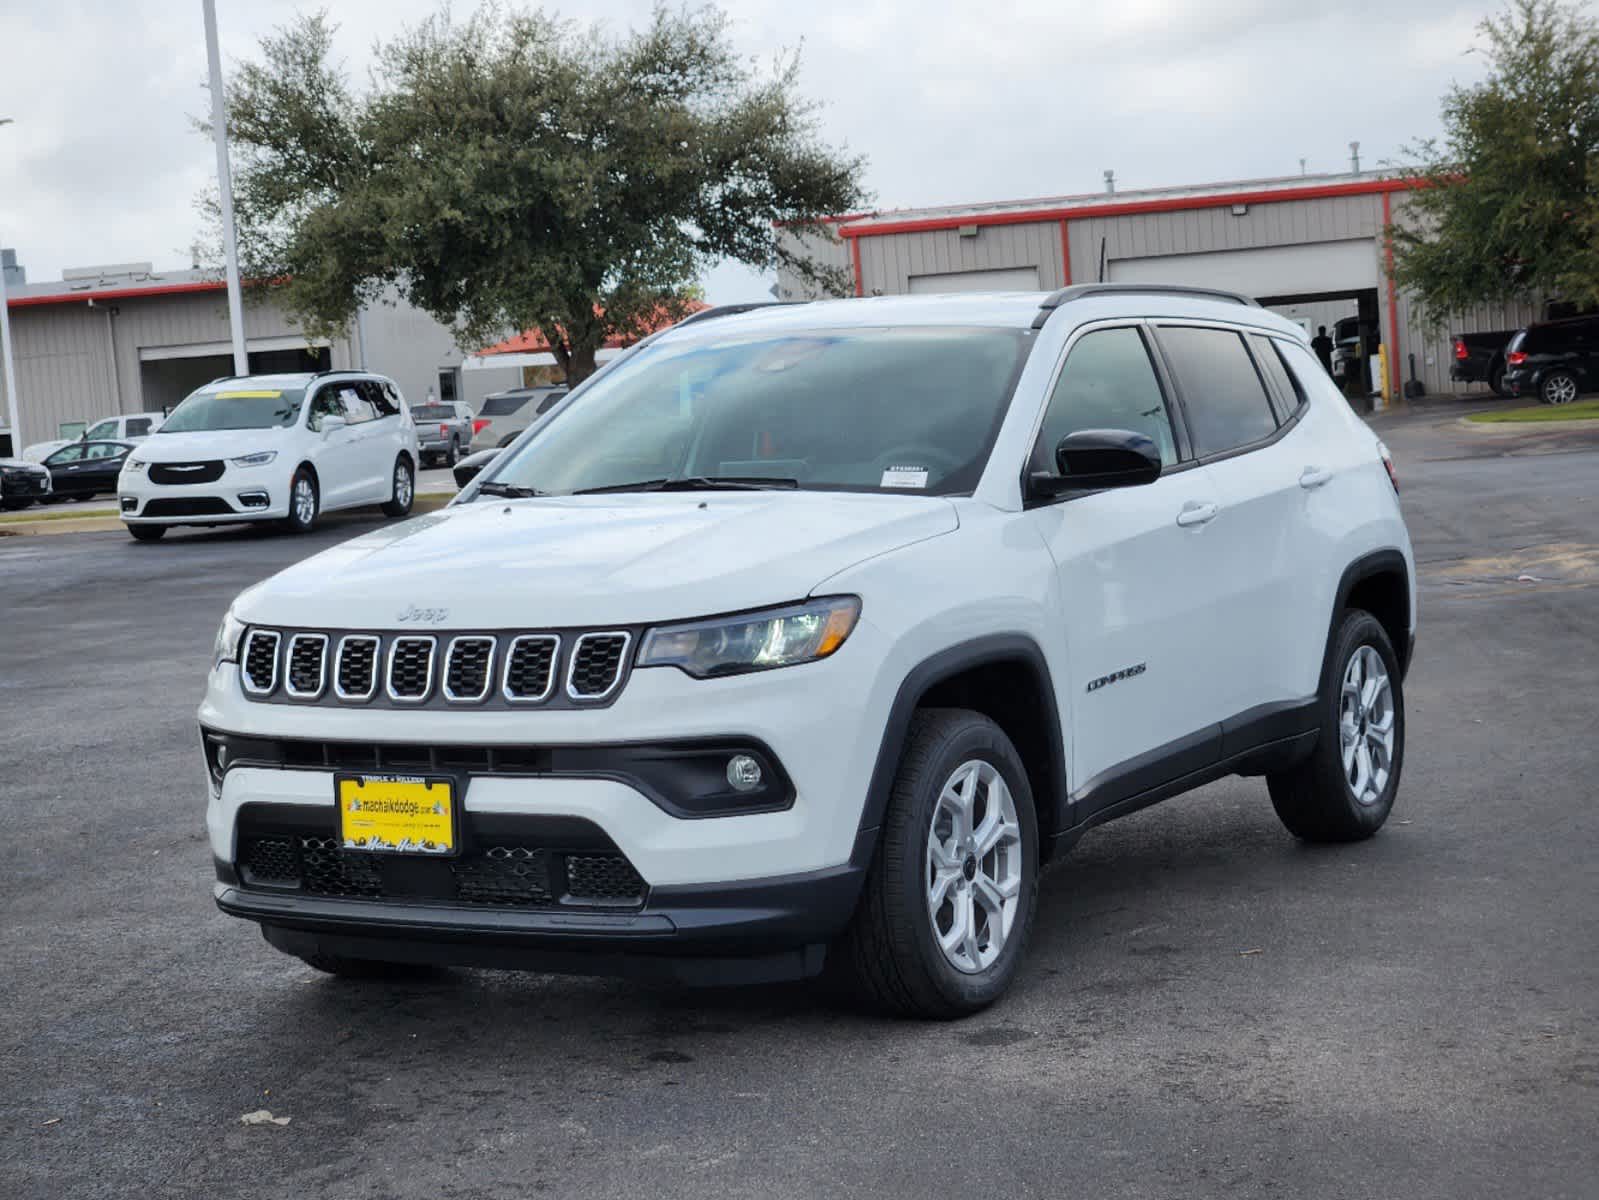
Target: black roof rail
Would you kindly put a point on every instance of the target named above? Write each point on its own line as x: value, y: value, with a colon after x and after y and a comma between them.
x: 1082, y: 290
x: 732, y: 310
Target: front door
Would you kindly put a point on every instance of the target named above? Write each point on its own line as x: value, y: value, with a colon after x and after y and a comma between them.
x: 338, y: 455
x: 1136, y: 593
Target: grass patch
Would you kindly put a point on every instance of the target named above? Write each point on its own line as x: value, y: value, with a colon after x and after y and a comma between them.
x: 71, y: 513
x: 1583, y: 410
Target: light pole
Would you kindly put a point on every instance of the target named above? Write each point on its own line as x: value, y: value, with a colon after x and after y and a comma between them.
x: 5, y: 354
x: 219, y: 132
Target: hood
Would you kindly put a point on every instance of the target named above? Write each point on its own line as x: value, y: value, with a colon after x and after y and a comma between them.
x: 595, y: 560
x: 209, y: 443
x: 21, y: 462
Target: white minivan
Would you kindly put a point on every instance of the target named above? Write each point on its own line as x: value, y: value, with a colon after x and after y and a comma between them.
x: 280, y: 448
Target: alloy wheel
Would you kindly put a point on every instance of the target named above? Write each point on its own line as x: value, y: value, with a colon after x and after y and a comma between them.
x: 1561, y: 389
x: 974, y: 866
x: 1366, y: 725
x: 304, y: 501
x: 402, y: 485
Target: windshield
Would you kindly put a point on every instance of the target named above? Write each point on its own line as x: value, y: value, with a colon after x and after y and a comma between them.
x: 433, y: 412
x: 237, y: 407
x: 847, y: 410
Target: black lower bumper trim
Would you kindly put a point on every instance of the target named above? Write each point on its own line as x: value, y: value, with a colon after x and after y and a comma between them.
x: 744, y: 932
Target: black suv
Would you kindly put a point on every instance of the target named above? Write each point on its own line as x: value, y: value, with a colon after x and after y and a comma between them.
x: 1556, y: 361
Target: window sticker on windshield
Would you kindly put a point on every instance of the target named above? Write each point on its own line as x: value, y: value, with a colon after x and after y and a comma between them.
x: 248, y: 395
x: 904, y: 477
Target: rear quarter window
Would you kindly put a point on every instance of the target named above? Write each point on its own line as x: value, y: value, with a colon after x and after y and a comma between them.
x: 503, y: 406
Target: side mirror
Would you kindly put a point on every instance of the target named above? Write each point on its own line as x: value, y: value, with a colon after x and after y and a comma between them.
x: 1099, y: 458
x: 331, y: 424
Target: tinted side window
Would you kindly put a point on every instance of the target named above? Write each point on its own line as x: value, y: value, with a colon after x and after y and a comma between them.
x: 1308, y: 375
x: 1286, y: 392
x: 138, y: 426
x: 68, y: 454
x: 378, y: 397
x: 1108, y: 382
x: 104, y: 450
x: 1223, y: 397
x: 357, y: 408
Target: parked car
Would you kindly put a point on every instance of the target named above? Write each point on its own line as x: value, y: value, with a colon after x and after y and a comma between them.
x: 128, y: 427
x: 814, y: 631
x: 1354, y: 344
x: 1556, y: 361
x: 443, y: 431
x: 1480, y: 358
x: 84, y: 469
x: 22, y: 483
x: 506, y: 414
x: 283, y: 448
x: 469, y: 467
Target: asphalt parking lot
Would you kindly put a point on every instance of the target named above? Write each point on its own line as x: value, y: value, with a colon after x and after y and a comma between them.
x: 1208, y: 1008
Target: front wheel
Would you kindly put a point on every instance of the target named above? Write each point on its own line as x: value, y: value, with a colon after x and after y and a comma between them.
x: 1345, y: 790
x: 304, y: 502
x: 949, y: 898
x: 1558, y: 387
x: 404, y: 489
x: 147, y: 533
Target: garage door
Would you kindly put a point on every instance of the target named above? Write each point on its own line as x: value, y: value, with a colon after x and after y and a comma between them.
x: 1271, y: 271
x: 1008, y: 279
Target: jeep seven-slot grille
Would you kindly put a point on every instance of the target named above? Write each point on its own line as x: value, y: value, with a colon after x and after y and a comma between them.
x: 261, y: 661
x: 357, y: 673
x: 466, y: 674
x: 496, y: 876
x: 306, y: 672
x: 596, y: 665
x: 492, y: 668
x: 411, y: 668
x: 530, y: 668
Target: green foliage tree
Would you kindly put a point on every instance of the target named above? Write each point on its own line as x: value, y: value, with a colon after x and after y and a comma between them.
x: 1508, y: 206
x: 518, y: 171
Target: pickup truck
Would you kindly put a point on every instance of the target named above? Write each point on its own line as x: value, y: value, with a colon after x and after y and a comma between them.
x: 1480, y: 358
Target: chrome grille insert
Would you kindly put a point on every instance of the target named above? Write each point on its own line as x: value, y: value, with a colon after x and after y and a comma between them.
x: 596, y: 666
x: 260, y: 661
x: 305, y: 674
x: 356, y: 678
x: 410, y: 674
x: 469, y: 669
x: 530, y: 668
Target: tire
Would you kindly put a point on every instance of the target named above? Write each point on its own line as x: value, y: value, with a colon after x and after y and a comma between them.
x: 453, y: 454
x: 305, y: 502
x: 1496, y: 380
x: 1317, y: 800
x: 404, y: 489
x: 891, y: 951
x: 147, y: 533
x: 363, y: 968
x: 1559, y: 387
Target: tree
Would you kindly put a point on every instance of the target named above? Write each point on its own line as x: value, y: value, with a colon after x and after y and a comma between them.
x: 517, y: 171
x: 1508, y: 206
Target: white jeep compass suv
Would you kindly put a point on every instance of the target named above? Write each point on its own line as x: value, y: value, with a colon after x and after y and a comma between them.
x: 807, y: 634
x: 282, y: 448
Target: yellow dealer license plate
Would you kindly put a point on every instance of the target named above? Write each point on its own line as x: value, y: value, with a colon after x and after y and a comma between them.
x: 398, y: 814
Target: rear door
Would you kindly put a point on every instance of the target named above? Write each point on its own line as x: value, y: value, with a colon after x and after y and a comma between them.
x: 1137, y: 597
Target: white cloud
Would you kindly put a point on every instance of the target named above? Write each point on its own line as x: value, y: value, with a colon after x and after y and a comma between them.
x: 951, y: 101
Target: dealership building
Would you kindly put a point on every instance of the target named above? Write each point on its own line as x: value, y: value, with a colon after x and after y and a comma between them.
x: 1310, y: 247
x: 127, y: 338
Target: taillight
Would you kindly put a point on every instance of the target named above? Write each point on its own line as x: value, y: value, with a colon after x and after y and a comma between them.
x: 479, y: 424
x: 444, y: 431
x: 1460, y: 349
x: 1516, y: 357
x: 1388, y: 465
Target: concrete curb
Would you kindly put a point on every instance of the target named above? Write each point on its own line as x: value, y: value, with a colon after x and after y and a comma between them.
x: 109, y: 522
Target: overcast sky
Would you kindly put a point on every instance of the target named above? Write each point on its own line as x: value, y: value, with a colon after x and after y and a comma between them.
x: 950, y: 101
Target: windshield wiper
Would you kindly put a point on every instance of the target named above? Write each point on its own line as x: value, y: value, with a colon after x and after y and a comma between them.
x: 697, y: 483
x: 514, y: 491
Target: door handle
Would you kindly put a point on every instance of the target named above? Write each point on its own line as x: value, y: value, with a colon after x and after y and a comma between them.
x: 1197, y: 513
x: 1314, y: 477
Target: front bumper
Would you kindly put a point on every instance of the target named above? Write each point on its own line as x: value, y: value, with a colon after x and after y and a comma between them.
x: 241, y: 494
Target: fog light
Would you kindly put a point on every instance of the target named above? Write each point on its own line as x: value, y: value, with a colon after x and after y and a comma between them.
x: 744, y: 773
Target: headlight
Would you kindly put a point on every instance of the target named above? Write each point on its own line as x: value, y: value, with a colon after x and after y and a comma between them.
x: 133, y: 465
x: 254, y: 460
x: 756, y: 641
x: 229, y: 636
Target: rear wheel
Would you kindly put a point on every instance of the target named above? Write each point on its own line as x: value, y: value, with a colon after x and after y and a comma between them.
x: 404, y: 489
x: 454, y: 453
x: 304, y: 502
x: 1345, y: 790
x: 1496, y: 380
x: 1558, y: 387
x: 147, y: 533
x: 950, y: 895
